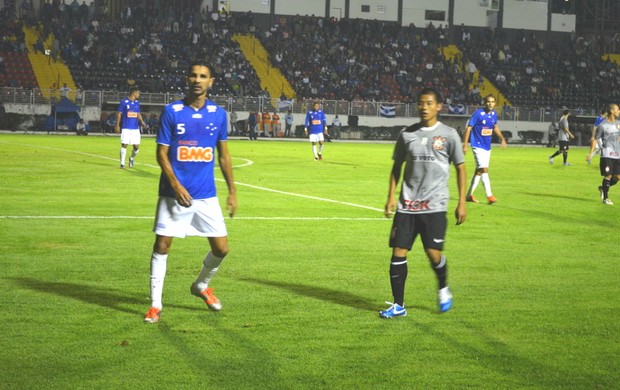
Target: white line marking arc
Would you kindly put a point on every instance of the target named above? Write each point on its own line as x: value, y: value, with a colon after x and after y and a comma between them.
x: 247, y: 163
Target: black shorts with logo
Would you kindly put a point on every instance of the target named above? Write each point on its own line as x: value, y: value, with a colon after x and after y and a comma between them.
x: 609, y: 166
x: 563, y: 145
x: 430, y: 226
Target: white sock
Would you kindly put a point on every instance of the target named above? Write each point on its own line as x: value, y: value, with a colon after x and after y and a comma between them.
x: 474, y: 183
x: 123, y: 155
x: 210, y: 265
x: 486, y: 183
x: 314, y: 151
x: 320, y: 149
x: 158, y: 274
x: 134, y: 152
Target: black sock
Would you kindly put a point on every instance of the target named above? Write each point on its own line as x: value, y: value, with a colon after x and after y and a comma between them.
x: 441, y: 270
x: 605, y: 187
x: 565, y: 157
x: 613, y: 181
x: 398, y: 277
x: 555, y: 154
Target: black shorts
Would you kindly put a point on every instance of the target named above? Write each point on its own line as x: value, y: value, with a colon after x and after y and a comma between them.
x: 431, y: 227
x: 609, y: 166
x: 563, y: 145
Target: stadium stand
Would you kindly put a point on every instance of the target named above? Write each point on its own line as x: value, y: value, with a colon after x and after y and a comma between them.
x: 348, y: 60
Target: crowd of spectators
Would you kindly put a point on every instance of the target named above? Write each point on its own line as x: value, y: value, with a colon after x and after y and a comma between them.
x: 323, y: 58
x: 554, y: 73
x: 150, y: 46
x: 364, y: 59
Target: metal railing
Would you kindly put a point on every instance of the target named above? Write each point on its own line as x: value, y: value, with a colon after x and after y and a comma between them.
x: 101, y: 99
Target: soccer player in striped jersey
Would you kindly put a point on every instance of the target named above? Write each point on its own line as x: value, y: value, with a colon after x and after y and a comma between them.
x: 426, y: 149
x: 191, y: 136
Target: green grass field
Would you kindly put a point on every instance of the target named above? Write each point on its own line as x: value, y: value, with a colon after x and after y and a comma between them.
x: 535, y: 276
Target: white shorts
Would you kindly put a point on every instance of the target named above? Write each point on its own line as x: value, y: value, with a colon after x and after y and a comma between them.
x: 482, y: 157
x: 130, y: 137
x: 317, y: 137
x: 203, y: 218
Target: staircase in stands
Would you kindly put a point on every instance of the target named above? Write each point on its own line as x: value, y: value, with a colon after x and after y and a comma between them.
x: 50, y: 74
x: 451, y: 52
x: 271, y: 78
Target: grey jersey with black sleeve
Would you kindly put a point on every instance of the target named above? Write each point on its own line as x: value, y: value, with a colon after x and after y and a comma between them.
x: 562, y: 135
x: 427, y: 153
x: 608, y: 138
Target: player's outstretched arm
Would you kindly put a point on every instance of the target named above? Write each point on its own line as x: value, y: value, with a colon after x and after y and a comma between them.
x: 226, y: 167
x: 461, y: 178
x: 390, y: 205
x: 500, y: 135
x: 466, y: 138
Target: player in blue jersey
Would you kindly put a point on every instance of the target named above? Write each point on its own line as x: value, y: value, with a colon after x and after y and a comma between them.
x: 480, y: 128
x: 192, y: 134
x: 426, y: 149
x: 594, y: 149
x: 317, y: 123
x: 128, y: 121
x: 608, y: 138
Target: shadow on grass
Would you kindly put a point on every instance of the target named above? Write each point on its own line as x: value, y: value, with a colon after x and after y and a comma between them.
x: 116, y: 300
x: 560, y: 196
x: 142, y: 171
x: 326, y: 294
x: 511, y: 360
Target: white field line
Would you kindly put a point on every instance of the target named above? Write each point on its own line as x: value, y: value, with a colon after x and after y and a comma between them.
x: 246, y: 163
x: 151, y: 217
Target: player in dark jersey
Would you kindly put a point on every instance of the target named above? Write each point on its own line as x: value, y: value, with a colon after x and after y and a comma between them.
x: 427, y: 149
x: 608, y: 139
x: 192, y: 134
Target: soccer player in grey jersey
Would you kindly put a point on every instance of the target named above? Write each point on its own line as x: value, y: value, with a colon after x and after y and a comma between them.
x: 427, y: 149
x: 608, y: 139
x: 564, y: 136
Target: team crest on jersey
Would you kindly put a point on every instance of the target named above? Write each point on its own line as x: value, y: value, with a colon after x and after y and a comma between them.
x: 197, y: 116
x: 211, y: 108
x: 439, y: 143
x: 177, y: 107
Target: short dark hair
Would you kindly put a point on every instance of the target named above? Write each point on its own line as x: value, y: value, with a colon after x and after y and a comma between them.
x: 202, y: 62
x: 133, y: 89
x: 431, y: 91
x: 566, y: 112
x: 488, y: 96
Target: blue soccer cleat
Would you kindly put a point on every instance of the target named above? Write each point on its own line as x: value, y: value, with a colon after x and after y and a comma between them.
x: 395, y: 310
x: 444, y: 299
